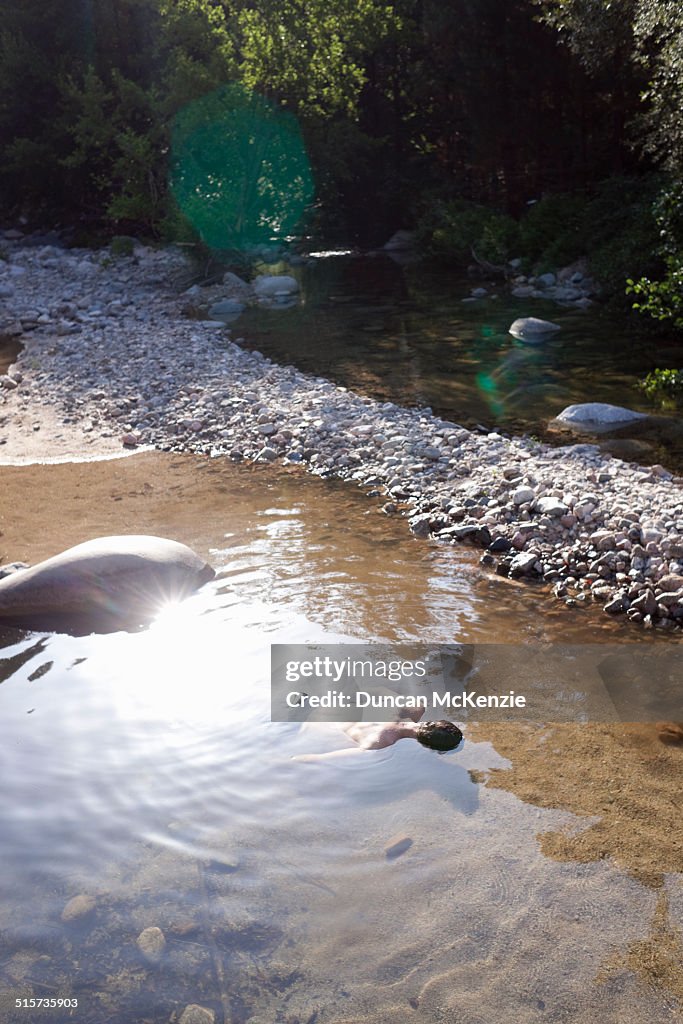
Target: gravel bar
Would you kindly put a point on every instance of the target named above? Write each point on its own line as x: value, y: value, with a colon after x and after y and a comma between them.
x: 110, y: 352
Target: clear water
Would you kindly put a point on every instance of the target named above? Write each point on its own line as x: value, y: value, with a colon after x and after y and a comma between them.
x: 403, y: 334
x: 142, y: 770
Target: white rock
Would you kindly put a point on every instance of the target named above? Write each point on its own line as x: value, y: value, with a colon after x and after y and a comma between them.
x: 598, y: 416
x: 532, y: 330
x: 551, y: 507
x: 522, y: 495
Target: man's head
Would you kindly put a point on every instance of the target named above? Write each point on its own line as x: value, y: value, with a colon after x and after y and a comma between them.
x: 438, y: 735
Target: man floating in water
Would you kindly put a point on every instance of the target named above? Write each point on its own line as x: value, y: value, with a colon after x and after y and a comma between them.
x: 441, y: 736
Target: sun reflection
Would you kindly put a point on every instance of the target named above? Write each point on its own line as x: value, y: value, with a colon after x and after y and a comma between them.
x: 193, y: 667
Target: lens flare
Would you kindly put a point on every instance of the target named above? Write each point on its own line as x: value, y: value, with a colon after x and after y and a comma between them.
x: 239, y: 169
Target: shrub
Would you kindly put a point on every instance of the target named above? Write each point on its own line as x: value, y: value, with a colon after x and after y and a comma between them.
x: 122, y: 245
x: 463, y: 231
x: 664, y: 386
x: 663, y: 298
x: 550, y: 233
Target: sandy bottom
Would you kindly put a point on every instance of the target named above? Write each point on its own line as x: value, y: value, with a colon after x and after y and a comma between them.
x: 47, y: 508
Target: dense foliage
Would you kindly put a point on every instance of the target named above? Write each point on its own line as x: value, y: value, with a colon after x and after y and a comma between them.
x: 450, y: 117
x: 641, y: 40
x: 663, y: 386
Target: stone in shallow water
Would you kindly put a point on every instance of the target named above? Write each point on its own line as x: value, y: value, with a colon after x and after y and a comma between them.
x: 78, y: 908
x: 225, y: 307
x: 195, y: 1014
x: 598, y: 415
x: 152, y: 942
x: 11, y: 567
x: 397, y: 846
x: 531, y: 329
x: 103, y: 584
x: 524, y: 564
x: 421, y: 526
x: 268, y: 286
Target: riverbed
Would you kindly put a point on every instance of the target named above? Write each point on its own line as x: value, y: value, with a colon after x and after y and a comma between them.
x: 142, y: 776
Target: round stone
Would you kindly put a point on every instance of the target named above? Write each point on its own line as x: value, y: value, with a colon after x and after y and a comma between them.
x: 79, y: 907
x: 522, y: 495
x: 104, y: 583
x: 533, y: 330
x: 195, y: 1014
x: 151, y: 942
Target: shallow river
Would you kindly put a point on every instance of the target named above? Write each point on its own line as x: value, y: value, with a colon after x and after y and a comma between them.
x: 404, y: 334
x: 141, y: 770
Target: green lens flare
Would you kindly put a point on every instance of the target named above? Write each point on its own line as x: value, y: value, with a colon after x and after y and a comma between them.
x: 239, y: 169
x: 489, y: 389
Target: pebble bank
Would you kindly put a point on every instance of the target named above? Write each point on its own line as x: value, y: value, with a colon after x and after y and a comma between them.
x: 108, y: 346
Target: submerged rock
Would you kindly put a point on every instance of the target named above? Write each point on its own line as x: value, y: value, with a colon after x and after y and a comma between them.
x: 78, y: 908
x: 151, y: 942
x: 226, y: 307
x: 397, y: 846
x: 103, y: 584
x: 195, y: 1014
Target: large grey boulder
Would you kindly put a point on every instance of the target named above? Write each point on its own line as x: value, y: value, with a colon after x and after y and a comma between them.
x: 598, y: 417
x: 269, y: 286
x: 104, y: 584
x: 532, y: 330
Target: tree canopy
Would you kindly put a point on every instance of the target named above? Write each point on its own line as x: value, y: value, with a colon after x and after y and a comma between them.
x: 399, y: 110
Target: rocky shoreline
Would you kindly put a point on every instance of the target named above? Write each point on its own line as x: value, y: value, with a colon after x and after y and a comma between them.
x: 111, y: 359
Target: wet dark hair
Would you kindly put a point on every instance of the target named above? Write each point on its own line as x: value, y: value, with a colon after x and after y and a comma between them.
x: 438, y: 735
